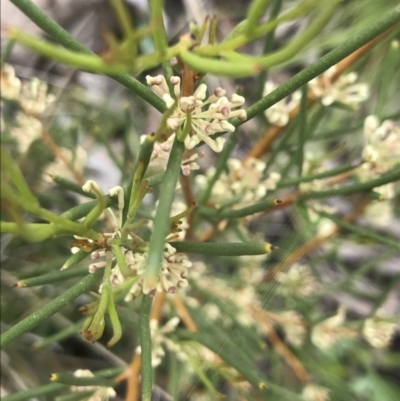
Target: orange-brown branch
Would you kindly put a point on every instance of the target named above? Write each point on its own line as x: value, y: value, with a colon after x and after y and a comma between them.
x: 263, y: 317
x: 183, y: 313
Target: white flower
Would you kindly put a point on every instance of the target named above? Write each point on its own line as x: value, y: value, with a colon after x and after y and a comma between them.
x: 27, y: 129
x: 323, y: 225
x: 293, y: 324
x: 343, y: 90
x: 278, y: 114
x: 208, y: 116
x: 32, y: 98
x: 329, y: 331
x: 31, y: 95
x: 212, y: 311
x: 297, y: 281
x: 378, y: 331
x: 159, y: 157
x: 10, y: 84
x: 381, y: 153
x: 243, y: 298
x: 174, y: 272
x: 382, y: 142
x: 313, y: 392
x: 74, y: 160
x: 100, y: 393
x: 174, y: 266
x: 310, y: 166
x: 159, y: 338
x: 381, y: 213
x: 243, y: 181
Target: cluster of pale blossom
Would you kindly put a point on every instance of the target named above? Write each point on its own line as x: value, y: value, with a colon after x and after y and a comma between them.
x: 101, y: 393
x: 207, y: 116
x: 298, y: 281
x: 310, y: 167
x: 173, y: 275
x: 186, y: 353
x: 32, y: 99
x: 379, y: 330
x: 160, y: 155
x: 331, y: 330
x: 242, y: 183
x: 344, y: 90
x: 278, y: 114
x: 382, y: 144
x: 26, y: 126
x: 32, y: 96
x: 293, y: 324
x: 240, y: 299
x: 380, y: 154
x: 314, y: 392
x: 174, y: 266
x: 159, y: 338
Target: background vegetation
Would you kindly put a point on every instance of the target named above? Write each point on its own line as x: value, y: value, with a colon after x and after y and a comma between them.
x: 316, y: 318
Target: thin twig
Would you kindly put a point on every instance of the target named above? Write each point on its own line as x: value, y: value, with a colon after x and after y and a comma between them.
x: 183, y: 313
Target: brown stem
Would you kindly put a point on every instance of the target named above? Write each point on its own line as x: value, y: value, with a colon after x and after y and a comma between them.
x: 189, y: 200
x: 188, y: 81
x: 266, y: 322
x: 183, y: 313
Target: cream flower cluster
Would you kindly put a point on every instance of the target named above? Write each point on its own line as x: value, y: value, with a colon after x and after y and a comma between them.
x: 32, y: 98
x: 174, y: 271
x: 159, y: 338
x: 241, y: 299
x: 242, y: 180
x: 344, y: 90
x: 100, y: 393
x: 327, y: 333
x: 379, y: 331
x: 314, y: 392
x: 208, y: 116
x: 278, y: 114
x: 32, y: 95
x: 159, y: 157
x: 293, y: 324
x: 298, y: 281
x: 382, y: 148
x: 26, y: 127
x: 174, y: 266
x: 189, y: 354
x: 380, y: 154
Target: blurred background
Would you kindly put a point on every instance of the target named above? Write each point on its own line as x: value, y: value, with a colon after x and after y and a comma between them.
x: 94, y: 123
